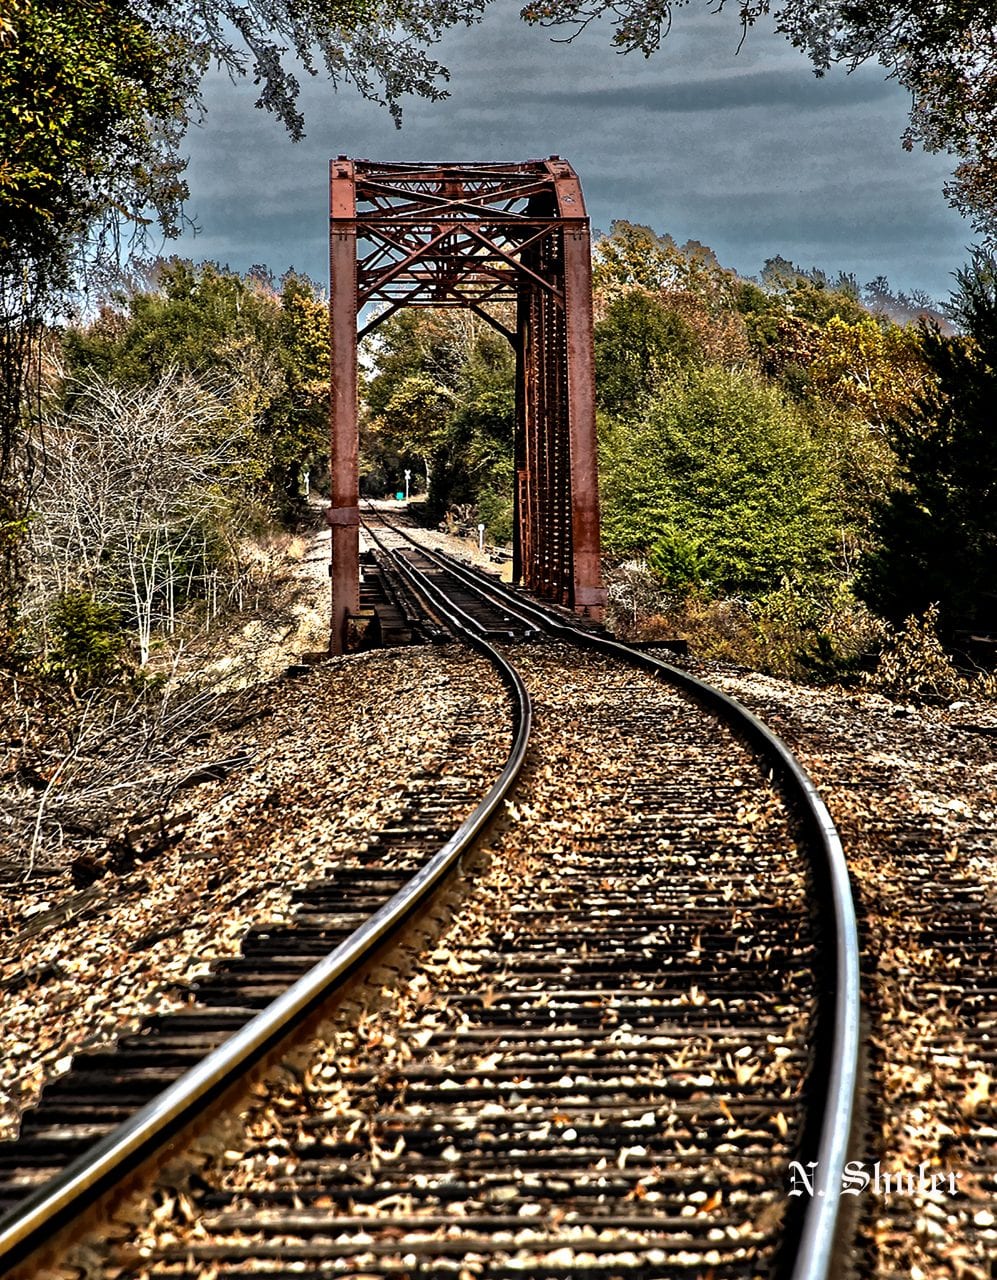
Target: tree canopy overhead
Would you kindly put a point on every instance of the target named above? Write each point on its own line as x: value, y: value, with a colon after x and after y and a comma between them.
x: 96, y: 94
x: 379, y: 46
x: 944, y: 52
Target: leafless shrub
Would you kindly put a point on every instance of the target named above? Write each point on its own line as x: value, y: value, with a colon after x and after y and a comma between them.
x: 85, y: 771
x: 914, y: 667
x: 140, y: 504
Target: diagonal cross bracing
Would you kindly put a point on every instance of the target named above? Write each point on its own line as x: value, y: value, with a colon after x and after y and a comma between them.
x: 469, y: 235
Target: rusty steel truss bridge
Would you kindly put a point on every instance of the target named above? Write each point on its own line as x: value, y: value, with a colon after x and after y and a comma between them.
x: 473, y: 235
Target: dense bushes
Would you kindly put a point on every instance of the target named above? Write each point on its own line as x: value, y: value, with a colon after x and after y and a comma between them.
x: 720, y: 483
x: 177, y: 426
x: 850, y: 452
x: 762, y: 443
x: 936, y: 529
x: 266, y: 340
x: 763, y: 446
x: 87, y: 640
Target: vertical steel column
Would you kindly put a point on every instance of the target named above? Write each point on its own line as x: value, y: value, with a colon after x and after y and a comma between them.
x: 589, y: 595
x: 521, y: 550
x: 558, y: 423
x: 344, y: 512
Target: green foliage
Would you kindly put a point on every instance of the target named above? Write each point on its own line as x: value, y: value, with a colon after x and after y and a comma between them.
x: 296, y: 420
x: 441, y: 400
x: 941, y: 52
x: 95, y: 99
x: 680, y: 561
x: 91, y: 101
x: 90, y: 106
x: 813, y: 295
x: 874, y: 366
x: 200, y: 318
x: 742, y: 486
x: 800, y: 633
x: 378, y: 48
x: 786, y: 318
x: 721, y: 457
x: 269, y: 344
x: 95, y: 94
x: 637, y: 342
x: 859, y: 467
x: 817, y: 632
x: 88, y: 644
x: 416, y: 420
x: 634, y: 257
x: 494, y: 503
x: 937, y: 529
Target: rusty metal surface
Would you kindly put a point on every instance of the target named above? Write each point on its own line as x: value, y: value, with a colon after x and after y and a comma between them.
x: 343, y: 515
x: 471, y: 236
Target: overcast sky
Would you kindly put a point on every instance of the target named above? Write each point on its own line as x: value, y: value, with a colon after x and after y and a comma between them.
x: 747, y: 152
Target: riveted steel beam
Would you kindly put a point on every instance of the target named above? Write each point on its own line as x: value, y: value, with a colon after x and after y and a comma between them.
x: 343, y: 514
x: 471, y: 235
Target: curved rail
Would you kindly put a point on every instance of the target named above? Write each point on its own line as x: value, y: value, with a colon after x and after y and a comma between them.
x: 814, y: 1252
x: 32, y: 1223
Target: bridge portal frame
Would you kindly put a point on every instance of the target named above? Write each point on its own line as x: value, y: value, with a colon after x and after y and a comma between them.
x: 470, y: 235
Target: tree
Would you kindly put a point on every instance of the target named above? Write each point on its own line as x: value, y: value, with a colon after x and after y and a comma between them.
x: 416, y: 420
x: 297, y: 420
x: 638, y: 340
x: 92, y: 106
x: 944, y: 53
x: 95, y: 95
x: 267, y: 341
x: 788, y: 320
x: 95, y: 98
x: 937, y: 528
x: 140, y: 504
x: 442, y: 395
x: 633, y: 256
x: 685, y: 282
x: 91, y: 110
x: 720, y: 483
x: 875, y: 368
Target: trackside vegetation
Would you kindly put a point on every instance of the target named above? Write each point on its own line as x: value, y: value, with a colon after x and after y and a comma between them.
x: 797, y: 475
x: 798, y: 469
x: 791, y: 466
x: 181, y: 427
x: 820, y: 392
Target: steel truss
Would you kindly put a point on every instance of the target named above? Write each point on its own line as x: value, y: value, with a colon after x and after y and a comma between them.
x: 471, y: 236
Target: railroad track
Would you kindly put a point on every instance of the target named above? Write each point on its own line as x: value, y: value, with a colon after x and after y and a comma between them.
x: 913, y: 793
x: 635, y: 1023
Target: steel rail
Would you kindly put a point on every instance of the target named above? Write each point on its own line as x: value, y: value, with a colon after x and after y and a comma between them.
x: 815, y: 1243
x: 424, y: 584
x: 31, y: 1223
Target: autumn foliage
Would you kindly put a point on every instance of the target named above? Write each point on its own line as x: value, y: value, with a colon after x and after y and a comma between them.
x: 745, y: 439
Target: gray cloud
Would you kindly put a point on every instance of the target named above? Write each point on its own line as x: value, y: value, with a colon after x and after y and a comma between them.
x: 750, y: 154
x: 755, y: 89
